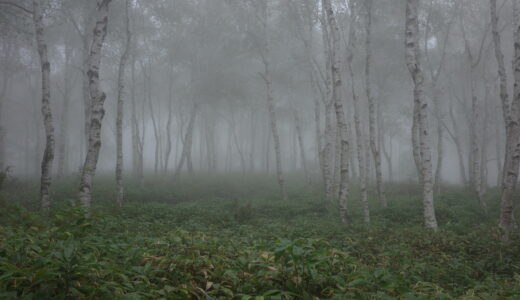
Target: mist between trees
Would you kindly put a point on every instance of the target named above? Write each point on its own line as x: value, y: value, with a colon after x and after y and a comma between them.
x: 345, y: 92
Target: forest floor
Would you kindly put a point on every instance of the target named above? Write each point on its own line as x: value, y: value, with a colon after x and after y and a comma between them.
x: 231, y: 237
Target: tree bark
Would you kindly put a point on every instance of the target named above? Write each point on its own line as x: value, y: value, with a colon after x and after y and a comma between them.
x: 3, y: 93
x: 98, y: 99
x: 363, y: 179
x: 512, y: 157
x: 48, y: 154
x: 120, y: 110
x: 328, y: 136
x: 274, y: 126
x: 475, y: 128
x: 63, y: 140
x: 168, y: 151
x: 340, y: 115
x: 376, y: 153
x: 420, y: 111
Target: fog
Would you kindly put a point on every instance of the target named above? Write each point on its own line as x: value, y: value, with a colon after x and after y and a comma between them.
x: 236, y: 86
x: 259, y: 149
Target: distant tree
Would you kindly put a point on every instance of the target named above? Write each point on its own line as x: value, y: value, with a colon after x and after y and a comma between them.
x: 120, y: 109
x: 372, y: 123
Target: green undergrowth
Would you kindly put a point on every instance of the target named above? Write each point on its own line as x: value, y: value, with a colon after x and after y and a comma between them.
x: 233, y: 238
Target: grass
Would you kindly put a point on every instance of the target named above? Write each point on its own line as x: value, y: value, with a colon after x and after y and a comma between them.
x: 231, y: 237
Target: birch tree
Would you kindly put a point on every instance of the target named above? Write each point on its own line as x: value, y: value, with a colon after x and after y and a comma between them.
x: 376, y: 153
x: 475, y: 125
x: 97, y: 97
x: 262, y: 44
x: 338, y: 107
x: 435, y: 72
x: 48, y: 154
x: 511, y: 115
x: 420, y: 125
x: 120, y: 109
x: 363, y: 178
x: 64, y: 126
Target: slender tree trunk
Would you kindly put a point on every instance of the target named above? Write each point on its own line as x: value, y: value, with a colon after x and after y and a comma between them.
x: 48, y: 154
x: 328, y: 136
x: 420, y: 111
x: 120, y: 111
x: 415, y: 142
x: 268, y: 150
x: 336, y: 161
x: 301, y: 145
x: 363, y: 178
x: 317, y: 123
x: 253, y: 141
x: 340, y: 115
x: 168, y: 151
x: 156, y: 136
x: 3, y: 93
x: 98, y: 99
x: 512, y: 157
x: 388, y: 157
x: 133, y: 119
x: 499, y: 153
x: 232, y: 129
x: 87, y: 103
x: 188, y: 141
x: 274, y: 127
x: 440, y: 157
x: 371, y: 109
x: 475, y: 141
x: 266, y: 76
x: 63, y: 139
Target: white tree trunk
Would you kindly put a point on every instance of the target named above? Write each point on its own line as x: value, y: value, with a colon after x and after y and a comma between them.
x: 98, y: 99
x: 274, y: 128
x: 48, y: 155
x: 328, y: 137
x: 340, y: 115
x: 376, y: 153
x: 167, y: 153
x: 420, y: 111
x: 64, y: 126
x: 512, y: 158
x: 120, y: 110
x: 357, y: 123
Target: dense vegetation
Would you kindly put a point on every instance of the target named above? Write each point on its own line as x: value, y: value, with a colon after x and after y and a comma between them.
x: 233, y: 238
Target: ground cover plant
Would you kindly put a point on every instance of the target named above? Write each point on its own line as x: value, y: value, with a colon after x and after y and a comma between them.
x: 236, y: 239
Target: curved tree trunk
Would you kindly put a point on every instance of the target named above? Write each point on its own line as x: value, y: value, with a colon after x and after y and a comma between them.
x: 98, y: 99
x: 188, y: 141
